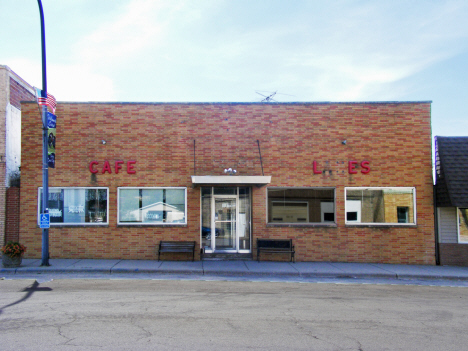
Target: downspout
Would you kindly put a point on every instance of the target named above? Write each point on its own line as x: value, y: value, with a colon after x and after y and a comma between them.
x: 436, y: 228
x: 194, y: 162
x: 436, y: 214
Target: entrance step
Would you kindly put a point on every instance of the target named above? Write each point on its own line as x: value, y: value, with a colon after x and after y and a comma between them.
x: 226, y: 256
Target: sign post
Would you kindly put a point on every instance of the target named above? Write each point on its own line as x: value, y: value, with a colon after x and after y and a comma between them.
x: 45, y: 167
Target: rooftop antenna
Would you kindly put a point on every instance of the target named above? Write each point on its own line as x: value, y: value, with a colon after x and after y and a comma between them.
x: 269, y: 97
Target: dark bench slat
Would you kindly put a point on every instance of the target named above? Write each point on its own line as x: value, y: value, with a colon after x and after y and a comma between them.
x: 276, y: 246
x: 177, y: 246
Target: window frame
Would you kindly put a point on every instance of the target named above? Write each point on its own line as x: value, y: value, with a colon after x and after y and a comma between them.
x: 300, y: 224
x: 64, y: 224
x: 153, y: 224
x: 458, y: 225
x: 378, y: 224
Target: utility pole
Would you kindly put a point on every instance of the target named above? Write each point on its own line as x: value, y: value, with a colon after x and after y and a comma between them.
x: 45, y: 166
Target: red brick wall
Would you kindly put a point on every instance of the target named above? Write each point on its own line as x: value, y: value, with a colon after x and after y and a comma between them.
x: 394, y: 137
x: 12, y: 214
x: 18, y: 93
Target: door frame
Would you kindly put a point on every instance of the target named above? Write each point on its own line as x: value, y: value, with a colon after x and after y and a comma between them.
x: 237, y: 238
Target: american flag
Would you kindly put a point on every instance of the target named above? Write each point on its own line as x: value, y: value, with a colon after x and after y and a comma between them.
x: 48, y: 101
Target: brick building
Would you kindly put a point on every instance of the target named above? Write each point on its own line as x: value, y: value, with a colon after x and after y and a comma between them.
x: 13, y: 89
x: 347, y: 182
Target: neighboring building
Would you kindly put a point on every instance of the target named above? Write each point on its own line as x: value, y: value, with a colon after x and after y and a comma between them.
x: 452, y: 199
x: 13, y: 90
x: 348, y: 182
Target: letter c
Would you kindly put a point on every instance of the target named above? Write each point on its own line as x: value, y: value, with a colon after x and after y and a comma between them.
x: 91, y: 166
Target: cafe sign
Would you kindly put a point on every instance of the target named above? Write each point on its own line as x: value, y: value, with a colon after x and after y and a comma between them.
x: 116, y: 167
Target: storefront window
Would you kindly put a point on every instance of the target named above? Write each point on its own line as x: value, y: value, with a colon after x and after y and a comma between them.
x: 152, y: 206
x: 463, y: 225
x: 380, y: 206
x: 76, y: 206
x: 301, y: 205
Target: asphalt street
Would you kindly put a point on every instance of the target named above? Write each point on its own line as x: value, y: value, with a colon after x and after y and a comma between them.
x: 171, y: 314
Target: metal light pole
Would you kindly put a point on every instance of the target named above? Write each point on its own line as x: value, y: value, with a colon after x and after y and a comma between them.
x: 45, y: 166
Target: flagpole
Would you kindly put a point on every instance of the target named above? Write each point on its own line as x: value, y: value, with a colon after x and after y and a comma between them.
x: 45, y: 166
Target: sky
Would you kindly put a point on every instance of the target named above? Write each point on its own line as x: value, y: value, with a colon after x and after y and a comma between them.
x: 228, y: 51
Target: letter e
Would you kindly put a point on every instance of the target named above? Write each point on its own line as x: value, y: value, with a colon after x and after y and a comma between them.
x: 130, y: 169
x: 351, y: 165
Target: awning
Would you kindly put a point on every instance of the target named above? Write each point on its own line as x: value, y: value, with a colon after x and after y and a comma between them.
x: 231, y: 180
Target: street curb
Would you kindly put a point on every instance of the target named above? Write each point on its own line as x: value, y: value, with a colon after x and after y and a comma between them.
x: 243, y: 269
x: 226, y: 273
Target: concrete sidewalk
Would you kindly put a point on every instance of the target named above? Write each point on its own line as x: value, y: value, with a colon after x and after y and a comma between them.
x: 241, y: 269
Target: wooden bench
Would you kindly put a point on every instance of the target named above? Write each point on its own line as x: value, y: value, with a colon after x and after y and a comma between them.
x: 275, y: 246
x: 177, y: 246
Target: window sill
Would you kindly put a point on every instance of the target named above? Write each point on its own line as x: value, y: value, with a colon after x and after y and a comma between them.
x: 81, y: 225
x: 302, y: 225
x: 389, y: 225
x: 160, y: 225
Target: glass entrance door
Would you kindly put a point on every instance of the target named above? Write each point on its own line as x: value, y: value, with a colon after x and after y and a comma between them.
x: 225, y: 219
x: 225, y: 223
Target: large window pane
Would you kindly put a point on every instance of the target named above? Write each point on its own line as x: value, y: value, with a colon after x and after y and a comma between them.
x: 244, y: 218
x: 463, y: 225
x: 77, y: 205
x: 380, y: 205
x: 152, y: 205
x: 299, y: 205
x: 206, y: 216
x: 129, y: 201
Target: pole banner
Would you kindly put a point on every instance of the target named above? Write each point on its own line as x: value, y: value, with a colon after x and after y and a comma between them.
x: 51, y: 136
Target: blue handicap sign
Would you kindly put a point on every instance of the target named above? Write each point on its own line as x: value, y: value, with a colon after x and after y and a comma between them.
x: 44, y: 220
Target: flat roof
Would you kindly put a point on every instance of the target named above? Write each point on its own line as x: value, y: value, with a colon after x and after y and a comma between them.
x: 245, y: 103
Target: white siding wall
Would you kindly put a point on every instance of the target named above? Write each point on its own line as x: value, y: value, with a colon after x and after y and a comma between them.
x: 448, y: 229
x: 13, y: 141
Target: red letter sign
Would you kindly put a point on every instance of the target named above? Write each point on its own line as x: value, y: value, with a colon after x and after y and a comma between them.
x: 130, y: 169
x: 106, y: 168
x: 118, y: 166
x: 91, y: 168
x: 315, y: 168
x: 365, y: 167
x: 351, y: 165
